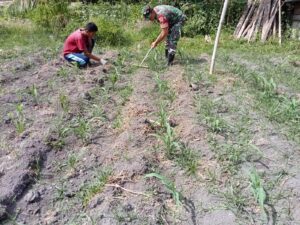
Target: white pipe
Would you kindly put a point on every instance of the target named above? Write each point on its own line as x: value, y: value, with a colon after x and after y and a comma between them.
x: 212, y: 65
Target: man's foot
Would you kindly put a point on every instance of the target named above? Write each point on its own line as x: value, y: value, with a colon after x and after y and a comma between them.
x: 171, y: 59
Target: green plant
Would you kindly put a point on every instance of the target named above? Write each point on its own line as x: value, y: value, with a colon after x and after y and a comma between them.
x: 162, y: 85
x: 169, y: 140
x: 34, y: 93
x: 82, y: 129
x: 114, y: 77
x: 64, y: 102
x: 162, y: 115
x: 56, y: 139
x: 88, y: 191
x: 118, y: 121
x: 60, y: 190
x: 72, y: 161
x: 112, y: 32
x: 19, y: 118
x: 215, y: 124
x: 52, y: 15
x: 62, y: 72
x: 258, y: 189
x: 187, y: 159
x: 125, y: 93
x: 170, y: 186
x: 235, y: 201
x: 98, y: 112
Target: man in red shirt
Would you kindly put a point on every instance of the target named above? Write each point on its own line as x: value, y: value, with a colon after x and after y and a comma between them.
x: 79, y: 45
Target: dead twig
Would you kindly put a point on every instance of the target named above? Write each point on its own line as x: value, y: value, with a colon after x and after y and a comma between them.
x: 127, y: 190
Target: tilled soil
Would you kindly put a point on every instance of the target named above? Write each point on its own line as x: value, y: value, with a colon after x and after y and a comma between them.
x: 85, y: 150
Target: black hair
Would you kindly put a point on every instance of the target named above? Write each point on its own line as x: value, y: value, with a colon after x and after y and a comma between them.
x: 91, y: 27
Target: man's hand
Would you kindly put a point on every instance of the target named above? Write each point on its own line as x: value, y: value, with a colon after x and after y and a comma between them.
x: 153, y: 44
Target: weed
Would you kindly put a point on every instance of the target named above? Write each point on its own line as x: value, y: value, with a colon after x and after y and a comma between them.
x: 88, y: 191
x: 235, y: 201
x: 170, y: 186
x: 187, y: 159
x: 98, y: 112
x: 64, y: 102
x: 267, y: 87
x: 215, y: 124
x: 63, y: 72
x: 60, y: 191
x: 122, y: 217
x: 82, y: 129
x: 118, y: 121
x: 72, y: 161
x: 125, y: 93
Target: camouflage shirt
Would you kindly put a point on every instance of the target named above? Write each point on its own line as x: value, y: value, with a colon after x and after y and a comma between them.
x: 167, y: 15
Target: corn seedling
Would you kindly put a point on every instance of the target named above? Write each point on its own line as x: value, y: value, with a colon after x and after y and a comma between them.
x: 57, y: 139
x: 169, y: 185
x: 34, y: 93
x: 19, y: 119
x: 114, y: 77
x: 169, y: 140
x: 258, y: 189
x: 162, y: 116
x: 162, y: 85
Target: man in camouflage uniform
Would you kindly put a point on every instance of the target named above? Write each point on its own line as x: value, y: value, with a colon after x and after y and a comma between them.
x: 171, y: 20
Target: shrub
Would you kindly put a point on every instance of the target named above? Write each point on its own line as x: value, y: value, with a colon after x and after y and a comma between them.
x: 111, y: 33
x: 52, y: 15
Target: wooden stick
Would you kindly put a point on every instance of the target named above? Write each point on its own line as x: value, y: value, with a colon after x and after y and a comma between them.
x: 279, y: 23
x: 146, y: 56
x: 217, y: 37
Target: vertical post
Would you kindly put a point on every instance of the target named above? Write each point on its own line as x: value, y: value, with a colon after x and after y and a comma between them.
x: 279, y: 23
x: 212, y: 65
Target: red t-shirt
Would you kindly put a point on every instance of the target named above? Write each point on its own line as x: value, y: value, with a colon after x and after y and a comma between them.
x: 75, y: 43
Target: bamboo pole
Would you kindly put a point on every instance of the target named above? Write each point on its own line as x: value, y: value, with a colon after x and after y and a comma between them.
x: 218, y: 36
x: 279, y: 24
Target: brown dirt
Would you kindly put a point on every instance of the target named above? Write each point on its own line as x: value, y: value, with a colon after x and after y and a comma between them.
x: 38, y: 184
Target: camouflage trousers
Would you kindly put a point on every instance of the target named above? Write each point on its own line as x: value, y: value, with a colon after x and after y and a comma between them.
x: 174, y: 36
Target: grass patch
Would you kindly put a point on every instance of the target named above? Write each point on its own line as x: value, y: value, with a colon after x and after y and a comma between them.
x: 88, y: 191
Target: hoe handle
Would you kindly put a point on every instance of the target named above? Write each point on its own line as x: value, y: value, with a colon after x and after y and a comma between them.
x: 146, y: 56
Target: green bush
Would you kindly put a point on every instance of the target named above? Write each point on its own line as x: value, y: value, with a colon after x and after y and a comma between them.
x: 53, y: 15
x: 150, y: 32
x: 111, y: 33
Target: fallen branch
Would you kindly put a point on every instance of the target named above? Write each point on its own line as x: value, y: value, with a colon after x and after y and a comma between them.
x: 127, y: 190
